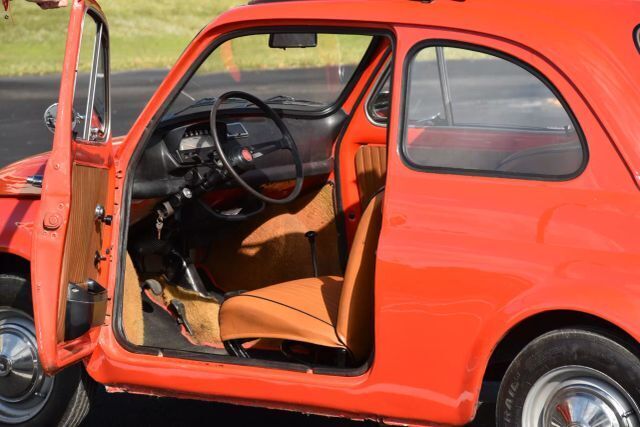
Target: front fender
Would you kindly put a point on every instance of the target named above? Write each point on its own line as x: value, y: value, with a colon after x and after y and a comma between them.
x: 17, y: 216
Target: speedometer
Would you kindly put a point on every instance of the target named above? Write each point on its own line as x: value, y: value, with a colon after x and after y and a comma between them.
x: 194, y: 139
x: 196, y: 142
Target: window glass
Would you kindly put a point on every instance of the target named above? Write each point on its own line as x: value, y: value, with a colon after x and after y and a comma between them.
x: 309, y: 79
x: 91, y: 101
x: 379, y: 103
x: 472, y: 110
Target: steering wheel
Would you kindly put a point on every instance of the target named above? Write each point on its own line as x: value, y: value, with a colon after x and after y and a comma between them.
x: 248, y: 153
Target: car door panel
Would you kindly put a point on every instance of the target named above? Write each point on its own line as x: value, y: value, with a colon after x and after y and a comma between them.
x: 70, y: 241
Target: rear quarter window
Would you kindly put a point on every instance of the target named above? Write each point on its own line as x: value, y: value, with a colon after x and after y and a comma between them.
x: 472, y: 111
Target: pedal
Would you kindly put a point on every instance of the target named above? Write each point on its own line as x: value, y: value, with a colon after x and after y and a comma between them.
x: 154, y: 285
x: 181, y: 314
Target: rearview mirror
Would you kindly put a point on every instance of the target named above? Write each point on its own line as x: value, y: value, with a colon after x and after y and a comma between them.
x: 293, y: 40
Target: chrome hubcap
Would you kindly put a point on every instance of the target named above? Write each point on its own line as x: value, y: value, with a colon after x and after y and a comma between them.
x: 24, y: 389
x: 577, y: 396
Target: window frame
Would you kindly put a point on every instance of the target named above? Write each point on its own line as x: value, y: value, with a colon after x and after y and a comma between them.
x: 404, y: 111
x: 383, y: 77
x: 100, y: 44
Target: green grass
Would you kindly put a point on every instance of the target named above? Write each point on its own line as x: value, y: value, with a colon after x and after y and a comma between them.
x: 153, y: 33
x: 144, y: 33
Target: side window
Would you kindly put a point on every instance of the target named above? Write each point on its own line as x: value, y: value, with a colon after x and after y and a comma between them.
x: 91, y: 99
x: 476, y: 112
x: 379, y: 103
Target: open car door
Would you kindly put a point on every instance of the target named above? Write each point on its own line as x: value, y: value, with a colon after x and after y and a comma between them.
x: 70, y: 255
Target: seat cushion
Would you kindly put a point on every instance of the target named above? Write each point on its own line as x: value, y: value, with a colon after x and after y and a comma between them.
x: 303, y: 310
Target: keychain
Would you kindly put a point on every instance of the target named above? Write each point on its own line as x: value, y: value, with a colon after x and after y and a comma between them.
x: 159, y: 225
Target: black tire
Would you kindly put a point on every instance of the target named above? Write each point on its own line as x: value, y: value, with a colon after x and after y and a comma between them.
x: 70, y: 394
x: 565, y: 352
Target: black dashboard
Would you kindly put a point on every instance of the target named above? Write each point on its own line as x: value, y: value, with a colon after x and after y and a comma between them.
x: 182, y: 149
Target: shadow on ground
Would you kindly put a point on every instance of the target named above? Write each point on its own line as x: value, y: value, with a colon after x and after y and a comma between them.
x: 124, y: 409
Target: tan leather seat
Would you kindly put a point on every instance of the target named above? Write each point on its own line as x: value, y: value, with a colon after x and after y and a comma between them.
x: 371, y: 171
x: 329, y: 311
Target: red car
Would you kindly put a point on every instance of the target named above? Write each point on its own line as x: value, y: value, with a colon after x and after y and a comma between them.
x: 387, y: 210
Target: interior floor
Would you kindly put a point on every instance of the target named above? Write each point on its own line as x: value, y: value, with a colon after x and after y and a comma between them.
x: 162, y: 331
x: 243, y: 256
x: 273, y: 247
x: 249, y: 255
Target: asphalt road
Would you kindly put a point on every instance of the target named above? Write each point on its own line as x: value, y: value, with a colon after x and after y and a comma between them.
x: 22, y: 133
x: 23, y: 102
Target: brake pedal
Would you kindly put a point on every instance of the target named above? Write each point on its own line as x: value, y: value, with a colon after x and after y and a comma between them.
x: 154, y: 285
x: 181, y: 314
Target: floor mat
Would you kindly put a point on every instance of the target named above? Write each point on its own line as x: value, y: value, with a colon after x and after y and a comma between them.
x: 162, y: 331
x: 272, y: 248
x: 202, y: 315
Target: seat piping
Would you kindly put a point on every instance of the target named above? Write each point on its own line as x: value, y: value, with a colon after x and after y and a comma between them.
x: 285, y: 305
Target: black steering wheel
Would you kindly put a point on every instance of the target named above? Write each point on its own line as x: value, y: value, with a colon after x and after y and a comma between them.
x: 245, y: 156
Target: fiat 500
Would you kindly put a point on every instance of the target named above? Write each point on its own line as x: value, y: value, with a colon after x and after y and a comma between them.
x: 386, y: 210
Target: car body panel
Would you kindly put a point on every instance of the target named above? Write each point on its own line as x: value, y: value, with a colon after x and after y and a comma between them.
x: 13, y: 178
x: 462, y: 259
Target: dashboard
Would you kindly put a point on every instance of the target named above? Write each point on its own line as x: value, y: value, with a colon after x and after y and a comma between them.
x: 182, y: 149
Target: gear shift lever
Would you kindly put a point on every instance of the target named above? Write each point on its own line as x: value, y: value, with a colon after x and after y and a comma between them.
x: 311, y: 236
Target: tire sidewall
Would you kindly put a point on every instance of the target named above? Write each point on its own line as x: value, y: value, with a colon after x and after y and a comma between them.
x: 571, y: 347
x: 64, y: 387
x: 66, y: 382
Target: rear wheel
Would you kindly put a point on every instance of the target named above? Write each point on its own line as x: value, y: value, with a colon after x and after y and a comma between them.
x: 28, y: 397
x: 571, y: 378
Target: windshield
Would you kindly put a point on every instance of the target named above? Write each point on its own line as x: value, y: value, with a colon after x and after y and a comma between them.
x: 310, y: 78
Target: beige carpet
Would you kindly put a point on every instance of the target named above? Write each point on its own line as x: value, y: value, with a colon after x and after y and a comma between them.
x: 202, y: 315
x: 132, y: 322
x: 271, y: 247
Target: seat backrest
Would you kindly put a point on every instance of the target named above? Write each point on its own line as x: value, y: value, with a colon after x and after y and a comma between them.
x: 371, y: 171
x: 355, y: 312
x: 553, y: 159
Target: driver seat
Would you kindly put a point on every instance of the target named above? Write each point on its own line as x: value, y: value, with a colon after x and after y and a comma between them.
x: 327, y: 311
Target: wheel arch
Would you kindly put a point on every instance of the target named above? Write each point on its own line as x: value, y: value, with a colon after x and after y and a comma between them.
x: 12, y: 292
x: 536, y: 325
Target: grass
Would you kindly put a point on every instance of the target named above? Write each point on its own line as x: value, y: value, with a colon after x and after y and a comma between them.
x: 144, y: 34
x: 153, y: 33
